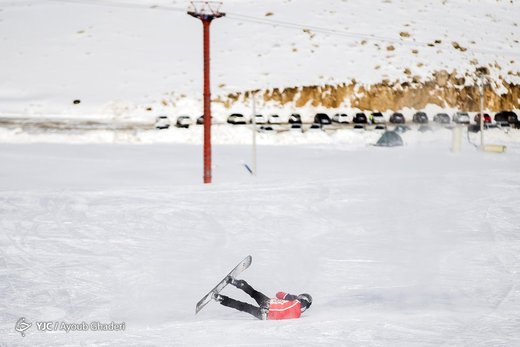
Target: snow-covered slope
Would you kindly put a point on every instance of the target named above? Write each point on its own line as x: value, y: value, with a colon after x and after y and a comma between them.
x: 120, y: 57
x: 407, y: 247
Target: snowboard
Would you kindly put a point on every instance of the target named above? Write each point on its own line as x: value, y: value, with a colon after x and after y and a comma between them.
x: 244, y: 264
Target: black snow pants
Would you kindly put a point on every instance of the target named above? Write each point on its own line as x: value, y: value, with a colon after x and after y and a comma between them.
x: 260, y: 312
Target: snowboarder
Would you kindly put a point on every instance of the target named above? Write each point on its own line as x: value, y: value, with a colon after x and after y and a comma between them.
x: 285, y: 306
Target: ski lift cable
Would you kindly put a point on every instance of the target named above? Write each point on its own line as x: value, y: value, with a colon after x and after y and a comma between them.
x: 272, y: 22
x: 121, y: 4
x: 315, y: 28
x: 297, y: 26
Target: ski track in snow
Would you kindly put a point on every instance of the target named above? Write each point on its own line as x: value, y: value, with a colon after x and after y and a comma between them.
x: 405, y: 246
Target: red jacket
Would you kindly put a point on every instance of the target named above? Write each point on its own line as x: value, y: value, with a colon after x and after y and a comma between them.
x: 284, y: 309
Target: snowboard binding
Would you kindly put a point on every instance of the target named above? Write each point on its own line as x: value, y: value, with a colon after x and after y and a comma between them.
x: 240, y: 284
x: 217, y: 297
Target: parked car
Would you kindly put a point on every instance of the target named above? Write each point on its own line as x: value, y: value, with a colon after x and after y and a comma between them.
x: 512, y: 117
x: 315, y: 126
x: 322, y: 118
x: 487, y: 118
x: 183, y: 122
x: 296, y: 127
x: 359, y: 126
x: 274, y: 119
x: 341, y: 118
x: 402, y: 128
x: 295, y: 118
x: 380, y: 127
x: 162, y: 122
x: 420, y: 118
x: 236, y: 118
x: 461, y: 118
x: 377, y: 118
x: 259, y: 119
x: 506, y: 117
x: 200, y: 120
x: 360, y: 118
x: 397, y: 118
x: 266, y: 128
x: 441, y: 118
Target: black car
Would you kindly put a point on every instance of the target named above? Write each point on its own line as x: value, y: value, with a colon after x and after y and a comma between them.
x: 315, y: 126
x: 295, y: 118
x: 441, y: 118
x: 296, y: 127
x: 322, y: 118
x: 506, y: 117
x: 420, y: 118
x: 183, y: 122
x: 397, y: 118
x: 360, y: 118
x: 266, y: 128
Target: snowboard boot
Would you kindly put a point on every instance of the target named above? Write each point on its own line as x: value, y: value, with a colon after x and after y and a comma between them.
x: 264, y: 311
x: 217, y: 297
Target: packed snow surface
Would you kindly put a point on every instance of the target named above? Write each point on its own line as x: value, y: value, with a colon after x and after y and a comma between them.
x: 406, y: 246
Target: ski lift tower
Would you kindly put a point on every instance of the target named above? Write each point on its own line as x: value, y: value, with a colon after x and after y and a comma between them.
x: 206, y: 11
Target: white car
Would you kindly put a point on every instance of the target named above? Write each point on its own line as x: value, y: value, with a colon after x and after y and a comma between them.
x: 461, y: 118
x: 341, y: 118
x: 183, y: 122
x: 260, y: 119
x: 377, y: 118
x: 236, y: 118
x: 274, y: 119
x: 162, y: 122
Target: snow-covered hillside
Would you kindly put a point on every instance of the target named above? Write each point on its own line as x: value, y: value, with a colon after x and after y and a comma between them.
x: 120, y: 57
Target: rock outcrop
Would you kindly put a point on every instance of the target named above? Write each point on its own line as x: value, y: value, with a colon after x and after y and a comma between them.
x: 444, y: 89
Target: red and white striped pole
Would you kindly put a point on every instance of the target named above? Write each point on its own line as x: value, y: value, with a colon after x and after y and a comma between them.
x: 206, y: 18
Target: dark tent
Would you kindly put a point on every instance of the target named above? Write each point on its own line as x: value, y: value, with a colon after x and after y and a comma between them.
x: 390, y: 139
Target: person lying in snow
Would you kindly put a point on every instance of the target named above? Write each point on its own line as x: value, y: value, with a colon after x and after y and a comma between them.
x: 285, y: 306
